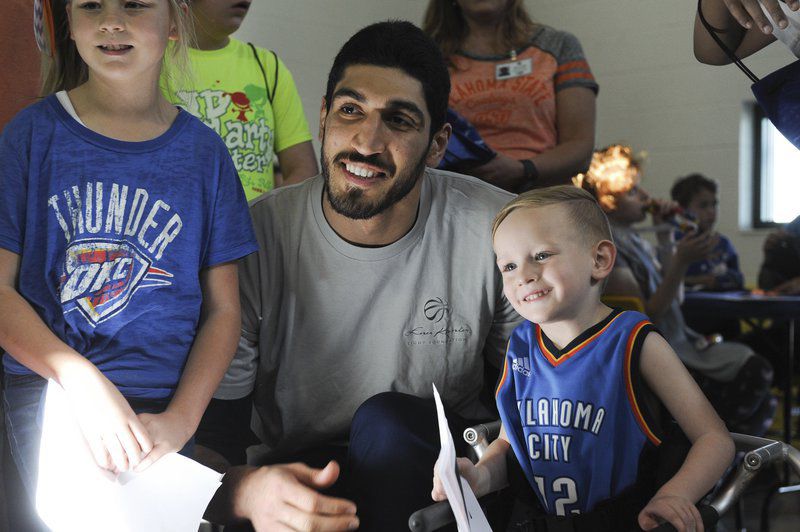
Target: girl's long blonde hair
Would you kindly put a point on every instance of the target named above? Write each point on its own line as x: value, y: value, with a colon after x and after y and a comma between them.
x: 65, y: 69
x: 445, y: 24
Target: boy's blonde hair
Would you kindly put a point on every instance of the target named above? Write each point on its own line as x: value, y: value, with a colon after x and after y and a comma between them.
x: 65, y: 69
x: 582, y: 208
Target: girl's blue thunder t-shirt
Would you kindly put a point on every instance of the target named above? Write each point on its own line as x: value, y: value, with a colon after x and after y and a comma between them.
x: 113, y: 236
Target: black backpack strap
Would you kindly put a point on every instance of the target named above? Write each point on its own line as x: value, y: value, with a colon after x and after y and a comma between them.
x: 270, y: 94
x: 712, y: 31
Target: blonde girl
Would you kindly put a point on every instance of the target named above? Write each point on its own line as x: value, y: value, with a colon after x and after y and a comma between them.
x: 120, y: 222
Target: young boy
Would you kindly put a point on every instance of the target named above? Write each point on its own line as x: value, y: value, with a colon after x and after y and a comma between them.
x: 247, y: 95
x: 578, y: 377
x: 717, y: 271
x: 697, y: 195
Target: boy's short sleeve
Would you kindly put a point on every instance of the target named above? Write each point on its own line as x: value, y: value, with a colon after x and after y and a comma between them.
x: 231, y: 234
x: 291, y: 127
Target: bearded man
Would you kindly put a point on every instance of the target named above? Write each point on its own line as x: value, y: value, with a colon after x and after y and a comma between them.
x: 373, y: 281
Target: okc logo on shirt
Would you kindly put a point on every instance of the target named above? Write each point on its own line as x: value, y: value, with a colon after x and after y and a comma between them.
x: 522, y: 365
x: 101, y: 276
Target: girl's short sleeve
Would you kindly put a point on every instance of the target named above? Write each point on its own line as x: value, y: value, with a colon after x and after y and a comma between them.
x: 14, y: 186
x: 231, y: 234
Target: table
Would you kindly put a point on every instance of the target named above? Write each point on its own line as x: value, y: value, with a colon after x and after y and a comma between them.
x: 748, y: 306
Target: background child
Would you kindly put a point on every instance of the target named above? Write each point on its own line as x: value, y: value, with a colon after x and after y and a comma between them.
x: 248, y: 96
x: 780, y: 271
x: 120, y: 218
x: 575, y: 394
x: 736, y: 380
x: 719, y: 270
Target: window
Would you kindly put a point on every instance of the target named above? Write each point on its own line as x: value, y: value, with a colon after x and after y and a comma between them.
x: 776, y: 183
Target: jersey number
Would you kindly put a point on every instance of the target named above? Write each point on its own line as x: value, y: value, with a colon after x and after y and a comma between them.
x: 564, y: 486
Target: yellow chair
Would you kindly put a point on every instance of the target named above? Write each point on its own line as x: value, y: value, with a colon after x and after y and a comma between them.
x: 624, y: 302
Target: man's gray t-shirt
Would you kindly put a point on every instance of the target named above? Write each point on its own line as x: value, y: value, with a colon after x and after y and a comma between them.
x: 332, y: 324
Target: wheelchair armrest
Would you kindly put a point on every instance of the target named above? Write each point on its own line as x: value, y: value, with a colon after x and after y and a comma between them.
x: 760, y: 452
x: 480, y: 436
x: 431, y: 517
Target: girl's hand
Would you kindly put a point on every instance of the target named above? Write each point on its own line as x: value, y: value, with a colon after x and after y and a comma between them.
x: 748, y: 12
x: 116, y: 437
x: 170, y: 432
x: 466, y: 469
x: 677, y: 511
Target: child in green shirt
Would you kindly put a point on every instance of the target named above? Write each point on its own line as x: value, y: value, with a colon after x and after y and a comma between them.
x: 247, y: 95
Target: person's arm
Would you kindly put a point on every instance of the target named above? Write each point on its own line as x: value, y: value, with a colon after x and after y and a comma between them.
x: 116, y: 438
x: 209, y: 358
x: 298, y: 163
x: 740, y: 24
x: 712, y: 447
x: 575, y: 119
x: 692, y: 247
x: 622, y: 282
x: 292, y: 137
x: 281, y: 497
x: 487, y: 476
x: 575, y: 122
x: 790, y: 287
x: 705, y: 280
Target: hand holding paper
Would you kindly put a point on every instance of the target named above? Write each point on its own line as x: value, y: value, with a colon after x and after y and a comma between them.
x: 73, y: 493
x: 466, y: 509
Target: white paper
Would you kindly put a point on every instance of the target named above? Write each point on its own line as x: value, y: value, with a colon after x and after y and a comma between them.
x: 466, y: 509
x: 74, y: 495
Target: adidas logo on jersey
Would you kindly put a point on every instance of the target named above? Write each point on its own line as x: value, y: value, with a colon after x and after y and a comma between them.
x: 522, y: 365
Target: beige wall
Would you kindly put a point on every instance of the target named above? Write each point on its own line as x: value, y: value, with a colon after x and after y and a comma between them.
x: 653, y: 94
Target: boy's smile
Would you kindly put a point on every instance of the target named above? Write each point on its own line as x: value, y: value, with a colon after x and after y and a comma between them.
x: 548, y: 267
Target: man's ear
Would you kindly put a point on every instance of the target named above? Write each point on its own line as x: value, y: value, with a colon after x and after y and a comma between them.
x: 323, y: 113
x: 605, y: 254
x: 438, y: 146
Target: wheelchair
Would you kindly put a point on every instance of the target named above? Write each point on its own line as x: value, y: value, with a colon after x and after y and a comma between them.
x: 759, y: 453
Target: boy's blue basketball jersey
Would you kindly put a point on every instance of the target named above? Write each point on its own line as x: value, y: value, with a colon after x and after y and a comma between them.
x: 573, y: 416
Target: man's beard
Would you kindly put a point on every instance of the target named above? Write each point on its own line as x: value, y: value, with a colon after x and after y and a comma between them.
x: 351, y: 203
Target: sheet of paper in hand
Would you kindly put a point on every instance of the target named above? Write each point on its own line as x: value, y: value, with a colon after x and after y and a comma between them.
x: 468, y: 513
x: 73, y: 494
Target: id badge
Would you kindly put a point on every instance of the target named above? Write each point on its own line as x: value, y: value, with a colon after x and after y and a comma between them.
x: 514, y: 69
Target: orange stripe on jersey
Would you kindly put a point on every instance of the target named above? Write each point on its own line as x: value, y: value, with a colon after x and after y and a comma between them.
x: 573, y: 65
x: 564, y: 356
x: 637, y: 412
x: 561, y: 78
x: 505, y: 372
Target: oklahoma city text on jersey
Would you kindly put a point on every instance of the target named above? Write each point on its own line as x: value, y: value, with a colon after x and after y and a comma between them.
x: 114, y: 235
x: 563, y: 413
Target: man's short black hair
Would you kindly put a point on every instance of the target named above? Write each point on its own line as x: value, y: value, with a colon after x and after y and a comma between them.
x: 398, y: 44
x: 688, y: 187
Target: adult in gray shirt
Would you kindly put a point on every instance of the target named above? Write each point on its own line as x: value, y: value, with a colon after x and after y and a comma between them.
x: 373, y: 281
